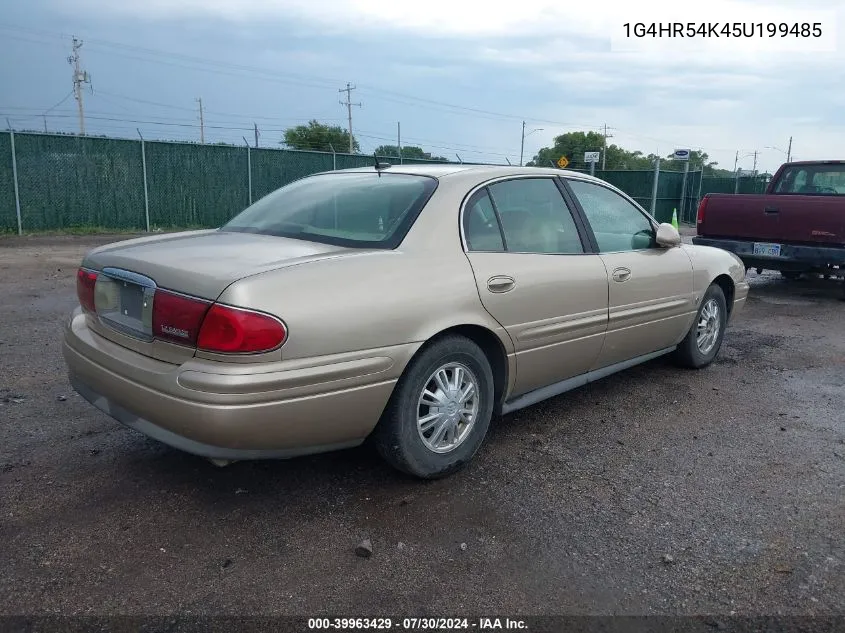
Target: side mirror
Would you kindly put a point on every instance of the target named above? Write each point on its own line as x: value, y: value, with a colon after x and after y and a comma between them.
x: 667, y: 236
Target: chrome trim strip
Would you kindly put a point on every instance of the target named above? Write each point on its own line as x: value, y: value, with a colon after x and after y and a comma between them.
x: 544, y: 393
x: 128, y: 275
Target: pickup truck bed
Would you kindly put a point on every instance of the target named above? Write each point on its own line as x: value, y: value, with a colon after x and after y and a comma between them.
x: 797, y: 226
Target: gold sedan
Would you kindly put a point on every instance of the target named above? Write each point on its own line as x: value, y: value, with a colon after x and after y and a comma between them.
x: 404, y: 304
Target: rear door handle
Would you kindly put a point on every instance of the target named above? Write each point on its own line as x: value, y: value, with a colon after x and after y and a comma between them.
x: 500, y: 283
x: 771, y: 210
x: 621, y: 274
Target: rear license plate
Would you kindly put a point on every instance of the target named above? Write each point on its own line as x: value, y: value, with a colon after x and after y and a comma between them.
x: 124, y: 305
x: 132, y: 301
x: 766, y: 250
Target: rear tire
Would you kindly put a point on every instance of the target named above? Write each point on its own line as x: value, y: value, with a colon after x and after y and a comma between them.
x: 429, y: 431
x: 704, y: 339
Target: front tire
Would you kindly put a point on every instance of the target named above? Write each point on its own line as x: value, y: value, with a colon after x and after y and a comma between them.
x: 704, y: 339
x: 440, y: 410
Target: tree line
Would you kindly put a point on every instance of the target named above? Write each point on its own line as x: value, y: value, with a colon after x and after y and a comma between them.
x: 573, y: 145
x: 319, y: 137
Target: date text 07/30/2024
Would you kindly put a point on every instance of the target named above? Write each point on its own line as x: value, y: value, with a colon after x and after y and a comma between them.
x: 416, y: 624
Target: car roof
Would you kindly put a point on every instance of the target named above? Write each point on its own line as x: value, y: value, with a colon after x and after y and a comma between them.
x: 482, y: 172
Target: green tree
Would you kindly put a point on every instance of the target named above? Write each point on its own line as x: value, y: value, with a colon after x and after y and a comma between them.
x: 408, y: 151
x: 574, y: 144
x: 319, y: 137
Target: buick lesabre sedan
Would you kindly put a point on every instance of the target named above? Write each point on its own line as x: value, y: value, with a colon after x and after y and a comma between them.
x: 406, y: 305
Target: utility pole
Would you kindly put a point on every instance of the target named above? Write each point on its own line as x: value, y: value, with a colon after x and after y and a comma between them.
x: 348, y: 103
x: 736, y: 173
x: 604, y: 152
x: 522, y: 145
x: 399, y: 140
x: 44, y: 116
x: 754, y: 169
x: 255, y: 126
x: 79, y: 77
x: 789, y: 151
x: 202, y: 122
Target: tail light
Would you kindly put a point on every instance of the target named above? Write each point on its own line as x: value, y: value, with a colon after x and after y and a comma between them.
x: 85, y: 281
x: 234, y: 330
x: 177, y: 318
x: 214, y: 327
x: 702, y: 207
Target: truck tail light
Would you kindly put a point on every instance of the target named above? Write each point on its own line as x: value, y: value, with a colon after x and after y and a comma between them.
x: 177, y: 318
x: 238, y: 331
x: 85, y: 281
x: 702, y: 207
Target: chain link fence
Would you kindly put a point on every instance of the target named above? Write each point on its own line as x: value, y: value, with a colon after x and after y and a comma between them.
x: 66, y: 182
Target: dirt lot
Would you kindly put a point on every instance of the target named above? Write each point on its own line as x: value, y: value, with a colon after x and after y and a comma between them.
x: 656, y: 491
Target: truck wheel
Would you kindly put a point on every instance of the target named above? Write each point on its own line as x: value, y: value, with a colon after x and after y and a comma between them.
x: 440, y: 410
x: 702, y: 342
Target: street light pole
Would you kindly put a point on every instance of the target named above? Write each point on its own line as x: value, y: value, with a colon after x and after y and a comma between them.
x: 522, y: 145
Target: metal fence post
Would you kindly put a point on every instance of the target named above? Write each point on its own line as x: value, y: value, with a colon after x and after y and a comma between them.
x: 700, y: 183
x: 248, y: 167
x: 684, y: 189
x: 654, y: 186
x: 146, y: 193
x: 334, y: 157
x: 15, y: 178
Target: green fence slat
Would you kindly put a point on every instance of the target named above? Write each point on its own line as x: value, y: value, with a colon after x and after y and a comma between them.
x: 69, y: 181
x: 8, y: 214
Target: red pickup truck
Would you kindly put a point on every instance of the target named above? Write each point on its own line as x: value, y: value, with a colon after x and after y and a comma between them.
x: 797, y: 226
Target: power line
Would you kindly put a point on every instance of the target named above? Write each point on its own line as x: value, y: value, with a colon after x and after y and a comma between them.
x: 167, y: 58
x: 65, y: 98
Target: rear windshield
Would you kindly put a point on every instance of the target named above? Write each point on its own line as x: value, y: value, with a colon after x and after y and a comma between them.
x: 824, y: 180
x: 364, y: 210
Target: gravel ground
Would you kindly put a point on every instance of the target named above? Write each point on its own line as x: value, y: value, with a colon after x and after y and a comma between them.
x: 656, y: 491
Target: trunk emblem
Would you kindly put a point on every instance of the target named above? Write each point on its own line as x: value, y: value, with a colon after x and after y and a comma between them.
x: 175, y: 331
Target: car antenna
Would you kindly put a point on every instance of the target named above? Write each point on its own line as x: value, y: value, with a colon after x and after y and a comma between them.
x: 551, y: 162
x: 379, y: 166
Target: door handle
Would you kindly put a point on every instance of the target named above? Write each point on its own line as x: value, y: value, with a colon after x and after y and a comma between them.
x: 621, y: 274
x: 500, y: 283
x: 771, y: 210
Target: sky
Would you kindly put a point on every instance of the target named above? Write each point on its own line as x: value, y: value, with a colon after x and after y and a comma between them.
x: 459, y: 76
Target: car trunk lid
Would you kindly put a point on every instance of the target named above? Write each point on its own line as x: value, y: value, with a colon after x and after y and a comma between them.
x: 197, y: 264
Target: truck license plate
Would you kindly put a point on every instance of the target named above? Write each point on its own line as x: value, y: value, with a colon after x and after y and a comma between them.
x: 766, y: 250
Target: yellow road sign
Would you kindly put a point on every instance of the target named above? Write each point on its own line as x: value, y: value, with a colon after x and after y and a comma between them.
x: 562, y: 162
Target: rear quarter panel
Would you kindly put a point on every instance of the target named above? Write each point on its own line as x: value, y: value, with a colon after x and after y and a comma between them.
x: 367, y: 301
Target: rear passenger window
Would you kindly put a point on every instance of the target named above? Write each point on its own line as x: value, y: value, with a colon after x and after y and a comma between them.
x: 534, y: 217
x: 481, y: 227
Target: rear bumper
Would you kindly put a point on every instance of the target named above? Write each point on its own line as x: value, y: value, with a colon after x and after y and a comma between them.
x: 235, y: 411
x: 793, y: 257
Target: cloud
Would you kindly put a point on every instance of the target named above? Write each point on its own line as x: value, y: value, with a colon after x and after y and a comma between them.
x: 551, y: 60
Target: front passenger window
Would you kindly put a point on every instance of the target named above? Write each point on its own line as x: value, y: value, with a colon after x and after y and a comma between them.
x: 617, y: 224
